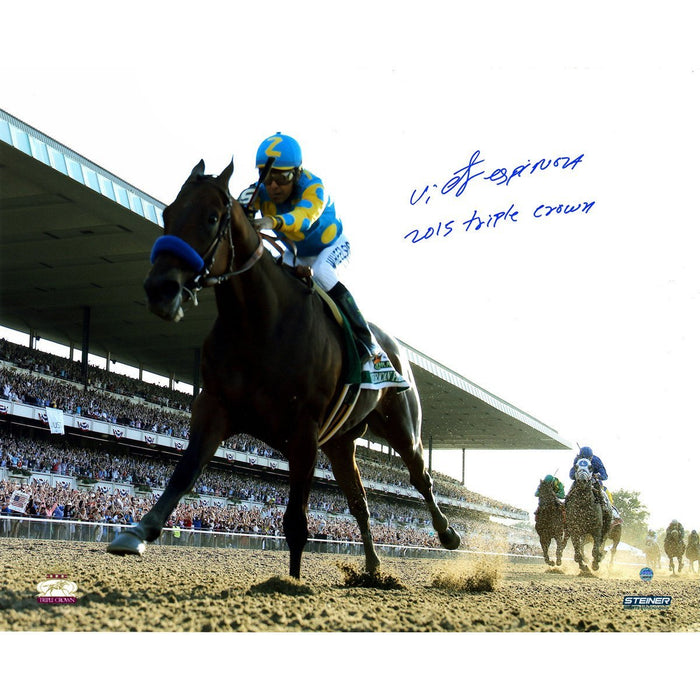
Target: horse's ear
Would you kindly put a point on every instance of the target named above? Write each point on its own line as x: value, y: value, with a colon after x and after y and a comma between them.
x: 197, y: 170
x: 225, y: 175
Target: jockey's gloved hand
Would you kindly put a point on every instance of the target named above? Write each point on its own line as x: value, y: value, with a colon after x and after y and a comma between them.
x: 267, y: 222
x: 245, y: 197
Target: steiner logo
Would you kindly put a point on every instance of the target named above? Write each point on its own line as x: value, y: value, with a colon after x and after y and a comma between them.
x: 644, y: 601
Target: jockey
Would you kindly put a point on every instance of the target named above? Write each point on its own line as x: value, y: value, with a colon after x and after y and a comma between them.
x: 557, y: 486
x: 599, y: 473
x: 597, y: 467
x: 295, y: 205
x: 675, y: 525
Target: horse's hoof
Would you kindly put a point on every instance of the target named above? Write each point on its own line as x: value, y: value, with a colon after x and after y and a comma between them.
x: 126, y: 543
x: 450, y: 539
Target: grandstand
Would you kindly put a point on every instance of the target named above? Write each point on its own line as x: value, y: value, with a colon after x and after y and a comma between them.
x: 76, y: 241
x: 123, y: 437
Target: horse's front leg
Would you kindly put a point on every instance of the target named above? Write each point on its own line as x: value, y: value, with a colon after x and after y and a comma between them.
x: 207, y: 432
x: 560, y: 549
x: 544, y: 543
x: 579, y: 558
x: 302, y: 459
x: 598, y: 553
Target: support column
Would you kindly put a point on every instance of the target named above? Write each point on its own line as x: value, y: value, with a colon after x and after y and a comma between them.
x: 86, y: 345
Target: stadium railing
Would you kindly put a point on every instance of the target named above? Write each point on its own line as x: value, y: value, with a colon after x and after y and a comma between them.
x: 31, y: 528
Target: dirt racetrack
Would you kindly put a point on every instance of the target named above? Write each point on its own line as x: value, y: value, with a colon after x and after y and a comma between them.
x: 174, y: 589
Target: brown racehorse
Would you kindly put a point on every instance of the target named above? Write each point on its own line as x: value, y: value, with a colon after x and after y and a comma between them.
x: 674, y: 546
x: 272, y: 366
x: 692, y: 551
x: 585, y: 517
x: 653, y: 553
x: 550, y: 522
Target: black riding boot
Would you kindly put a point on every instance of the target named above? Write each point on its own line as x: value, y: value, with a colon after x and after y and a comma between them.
x: 342, y: 297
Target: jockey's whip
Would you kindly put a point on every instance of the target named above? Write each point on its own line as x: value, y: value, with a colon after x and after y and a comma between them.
x: 263, y: 174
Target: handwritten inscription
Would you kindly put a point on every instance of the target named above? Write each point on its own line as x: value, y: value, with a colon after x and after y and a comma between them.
x: 476, y: 171
x: 478, y: 221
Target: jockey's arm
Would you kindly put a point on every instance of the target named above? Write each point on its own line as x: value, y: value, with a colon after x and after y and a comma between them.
x: 599, y: 468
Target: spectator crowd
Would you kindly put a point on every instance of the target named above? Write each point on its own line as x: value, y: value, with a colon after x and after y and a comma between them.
x: 254, y: 502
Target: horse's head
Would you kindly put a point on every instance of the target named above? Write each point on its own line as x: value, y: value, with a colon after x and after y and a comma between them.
x: 584, y: 472
x: 546, y: 489
x: 185, y: 257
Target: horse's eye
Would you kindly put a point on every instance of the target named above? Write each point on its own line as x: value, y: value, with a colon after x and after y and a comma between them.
x: 213, y: 218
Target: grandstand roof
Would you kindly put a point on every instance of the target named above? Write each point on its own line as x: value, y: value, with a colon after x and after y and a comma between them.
x: 73, y: 236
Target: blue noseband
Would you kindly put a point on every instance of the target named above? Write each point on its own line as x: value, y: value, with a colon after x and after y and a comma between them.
x: 178, y: 247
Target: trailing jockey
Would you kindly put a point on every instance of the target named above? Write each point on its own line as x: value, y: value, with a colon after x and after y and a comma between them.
x: 557, y: 488
x: 600, y: 474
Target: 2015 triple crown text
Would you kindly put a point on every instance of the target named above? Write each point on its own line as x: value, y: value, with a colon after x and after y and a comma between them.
x: 474, y: 219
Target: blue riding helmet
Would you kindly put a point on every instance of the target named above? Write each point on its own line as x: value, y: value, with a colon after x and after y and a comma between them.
x: 586, y: 452
x: 284, y: 149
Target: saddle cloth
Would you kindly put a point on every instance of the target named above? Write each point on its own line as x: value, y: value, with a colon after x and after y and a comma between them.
x: 377, y: 372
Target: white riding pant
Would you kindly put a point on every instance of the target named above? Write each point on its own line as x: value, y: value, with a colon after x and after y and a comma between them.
x: 326, y: 264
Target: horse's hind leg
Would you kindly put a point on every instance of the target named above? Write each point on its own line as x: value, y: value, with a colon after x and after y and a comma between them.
x: 341, y: 453
x: 398, y: 421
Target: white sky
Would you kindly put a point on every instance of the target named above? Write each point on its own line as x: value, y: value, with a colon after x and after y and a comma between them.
x: 587, y: 322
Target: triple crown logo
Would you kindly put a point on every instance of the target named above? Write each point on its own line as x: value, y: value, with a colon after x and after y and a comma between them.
x: 56, y: 589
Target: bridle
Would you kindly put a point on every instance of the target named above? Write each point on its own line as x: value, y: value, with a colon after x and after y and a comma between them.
x: 205, y: 262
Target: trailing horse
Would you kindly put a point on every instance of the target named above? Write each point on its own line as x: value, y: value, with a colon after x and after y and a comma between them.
x: 653, y: 553
x: 674, y: 546
x: 585, y: 516
x: 550, y: 522
x: 692, y: 551
x: 274, y: 366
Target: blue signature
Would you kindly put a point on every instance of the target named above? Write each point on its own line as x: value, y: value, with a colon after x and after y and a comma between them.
x: 460, y: 179
x: 491, y: 221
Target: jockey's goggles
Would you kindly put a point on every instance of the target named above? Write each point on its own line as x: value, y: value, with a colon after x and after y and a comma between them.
x: 279, y: 177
